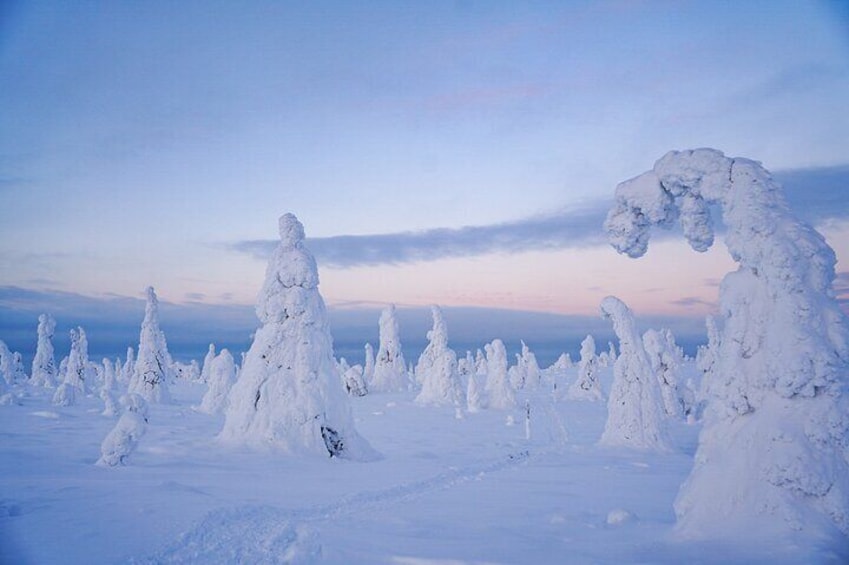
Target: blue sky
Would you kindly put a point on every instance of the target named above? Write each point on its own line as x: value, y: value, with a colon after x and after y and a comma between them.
x: 459, y: 153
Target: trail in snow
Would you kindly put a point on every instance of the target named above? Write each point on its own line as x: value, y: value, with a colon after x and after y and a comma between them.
x: 264, y: 534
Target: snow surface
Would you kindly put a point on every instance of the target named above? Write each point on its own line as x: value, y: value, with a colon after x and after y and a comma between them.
x: 446, y: 491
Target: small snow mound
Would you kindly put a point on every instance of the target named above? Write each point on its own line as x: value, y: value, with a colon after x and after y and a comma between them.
x: 618, y: 516
x: 45, y: 414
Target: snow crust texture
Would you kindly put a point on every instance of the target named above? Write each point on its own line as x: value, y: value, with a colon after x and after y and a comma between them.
x: 289, y: 396
x: 774, y: 449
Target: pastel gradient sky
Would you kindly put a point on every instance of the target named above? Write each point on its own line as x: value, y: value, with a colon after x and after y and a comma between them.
x: 471, y: 147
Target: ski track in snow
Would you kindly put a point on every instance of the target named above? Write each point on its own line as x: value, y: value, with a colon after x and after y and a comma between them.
x: 266, y: 534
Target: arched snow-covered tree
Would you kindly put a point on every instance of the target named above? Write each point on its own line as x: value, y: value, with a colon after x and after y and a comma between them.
x: 587, y: 386
x: 44, y: 362
x: 289, y: 396
x: 153, y: 368
x: 390, y: 370
x: 773, y: 448
x: 437, y: 367
x: 634, y: 409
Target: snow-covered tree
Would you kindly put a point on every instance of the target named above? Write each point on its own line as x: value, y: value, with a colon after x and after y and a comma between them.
x: 390, y: 370
x: 154, y: 367
x: 354, y: 380
x: 773, y: 448
x: 7, y: 373
x: 634, y: 409
x: 474, y: 401
x: 221, y: 375
x: 44, y: 362
x: 466, y: 365
x: 129, y: 367
x: 587, y: 386
x: 666, y: 359
x: 207, y: 364
x: 106, y: 390
x: 289, y: 396
x: 499, y: 393
x: 437, y: 367
x: 75, y: 370
x: 563, y: 363
x: 525, y: 373
x: 123, y: 439
x: 480, y: 363
x: 19, y: 374
x: 368, y: 368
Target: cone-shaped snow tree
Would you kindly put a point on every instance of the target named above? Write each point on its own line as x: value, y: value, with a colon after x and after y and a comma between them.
x: 221, y: 374
x: 207, y: 363
x: 76, y: 368
x: 634, y: 409
x: 587, y: 386
x: 289, y: 395
x: 773, y: 449
x: 437, y: 367
x: 499, y: 393
x: 390, y: 370
x: 153, y: 367
x: 44, y: 362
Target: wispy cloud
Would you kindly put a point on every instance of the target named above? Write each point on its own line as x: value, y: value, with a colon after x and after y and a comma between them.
x: 568, y: 228
x: 815, y: 194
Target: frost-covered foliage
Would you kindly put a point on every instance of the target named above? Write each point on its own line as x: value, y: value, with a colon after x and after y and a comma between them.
x: 563, y: 363
x: 129, y: 366
x: 466, y: 365
x: 707, y: 354
x: 634, y: 409
x: 474, y: 400
x: 74, y: 371
x: 480, y: 363
x: 189, y: 371
x: 220, y: 378
x: 666, y: 359
x: 353, y: 378
x: 207, y: 364
x: 773, y: 449
x: 437, y: 367
x: 44, y: 362
x: 289, y: 396
x: 587, y: 386
x: 7, y: 373
x: 109, y: 405
x: 154, y: 367
x: 390, y: 370
x: 499, y: 393
x: 368, y: 368
x: 123, y: 439
x: 525, y: 373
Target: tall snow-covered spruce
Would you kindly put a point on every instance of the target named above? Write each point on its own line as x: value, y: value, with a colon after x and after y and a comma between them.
x: 773, y: 455
x: 44, y: 363
x: 437, y: 368
x: 635, y: 408
x: 390, y: 370
x: 153, y: 367
x: 288, y: 396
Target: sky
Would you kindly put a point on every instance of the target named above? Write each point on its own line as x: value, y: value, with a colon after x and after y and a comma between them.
x: 459, y: 153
